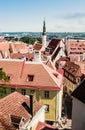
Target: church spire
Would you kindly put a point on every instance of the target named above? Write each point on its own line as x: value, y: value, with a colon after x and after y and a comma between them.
x: 44, y: 28
x: 44, y: 36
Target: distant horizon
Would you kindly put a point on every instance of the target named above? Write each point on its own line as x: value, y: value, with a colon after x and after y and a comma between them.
x: 37, y: 32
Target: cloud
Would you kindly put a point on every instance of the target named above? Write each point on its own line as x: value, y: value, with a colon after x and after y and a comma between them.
x: 77, y: 15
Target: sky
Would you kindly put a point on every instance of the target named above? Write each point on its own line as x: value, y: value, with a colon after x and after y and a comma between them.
x: 28, y: 15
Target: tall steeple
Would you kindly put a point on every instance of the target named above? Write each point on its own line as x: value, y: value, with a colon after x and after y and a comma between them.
x: 44, y: 28
x: 44, y: 35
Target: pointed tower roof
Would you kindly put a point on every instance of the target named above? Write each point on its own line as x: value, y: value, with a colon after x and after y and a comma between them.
x: 44, y: 28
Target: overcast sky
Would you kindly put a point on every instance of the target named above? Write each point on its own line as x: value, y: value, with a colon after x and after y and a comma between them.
x: 28, y: 15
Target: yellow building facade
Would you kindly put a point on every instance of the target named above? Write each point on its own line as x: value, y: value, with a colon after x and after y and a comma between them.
x: 48, y: 98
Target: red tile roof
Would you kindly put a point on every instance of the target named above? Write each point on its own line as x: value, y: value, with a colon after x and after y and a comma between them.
x: 61, y: 61
x: 53, y: 44
x: 4, y: 47
x: 19, y: 47
x: 19, y: 69
x: 75, y: 47
x: 82, y: 66
x: 11, y: 109
x: 37, y: 46
x: 12, y: 105
x: 28, y: 56
x: 45, y: 126
x: 72, y: 68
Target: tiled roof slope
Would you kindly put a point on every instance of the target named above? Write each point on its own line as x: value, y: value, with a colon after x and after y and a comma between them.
x: 61, y: 61
x: 4, y: 48
x: 54, y: 43
x: 72, y: 68
x: 82, y: 66
x: 44, y: 126
x: 19, y: 47
x: 75, y: 47
x: 44, y: 76
x: 12, y: 105
x: 79, y: 92
x: 28, y: 56
x: 11, y: 108
x: 37, y: 46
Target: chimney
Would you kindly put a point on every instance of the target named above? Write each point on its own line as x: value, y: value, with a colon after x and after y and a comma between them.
x: 31, y: 105
x: 37, y: 56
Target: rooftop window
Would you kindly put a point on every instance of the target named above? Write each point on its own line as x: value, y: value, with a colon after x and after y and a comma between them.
x: 15, y: 121
x: 30, y: 78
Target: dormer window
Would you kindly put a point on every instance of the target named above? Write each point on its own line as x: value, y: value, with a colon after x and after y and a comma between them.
x: 15, y: 120
x: 30, y: 78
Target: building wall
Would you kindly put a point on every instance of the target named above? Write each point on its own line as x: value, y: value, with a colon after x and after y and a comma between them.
x: 39, y: 96
x: 78, y: 115
x: 69, y: 85
x: 40, y: 116
x: 51, y: 101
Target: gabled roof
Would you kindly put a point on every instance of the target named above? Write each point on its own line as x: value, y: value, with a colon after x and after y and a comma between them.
x: 72, y: 68
x: 44, y: 76
x: 19, y: 47
x: 79, y: 92
x: 75, y: 47
x: 37, y: 46
x: 4, y: 48
x: 61, y: 61
x: 12, y: 110
x: 12, y: 105
x: 28, y: 56
x: 54, y: 43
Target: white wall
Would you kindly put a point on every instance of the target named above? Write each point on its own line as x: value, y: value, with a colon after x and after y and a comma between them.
x: 39, y: 116
x: 78, y: 115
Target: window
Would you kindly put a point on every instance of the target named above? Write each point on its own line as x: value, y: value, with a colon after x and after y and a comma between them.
x: 12, y: 90
x: 46, y: 94
x: 15, y: 120
x: 23, y: 91
x: 32, y: 91
x: 4, y: 90
x: 47, y: 108
x: 30, y: 77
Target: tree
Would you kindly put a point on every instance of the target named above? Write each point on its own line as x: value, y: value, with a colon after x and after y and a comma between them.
x: 3, y: 75
x: 5, y: 78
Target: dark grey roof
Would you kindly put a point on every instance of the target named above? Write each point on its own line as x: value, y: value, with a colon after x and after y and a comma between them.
x: 79, y: 92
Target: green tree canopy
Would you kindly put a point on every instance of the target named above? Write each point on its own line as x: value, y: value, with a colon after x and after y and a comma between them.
x: 3, y: 75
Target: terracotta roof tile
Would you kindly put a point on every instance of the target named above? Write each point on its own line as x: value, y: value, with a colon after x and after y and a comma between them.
x: 12, y: 104
x: 19, y: 47
x: 28, y: 56
x: 45, y: 126
x: 12, y: 110
x: 37, y: 46
x: 75, y: 47
x: 72, y: 68
x: 20, y: 70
